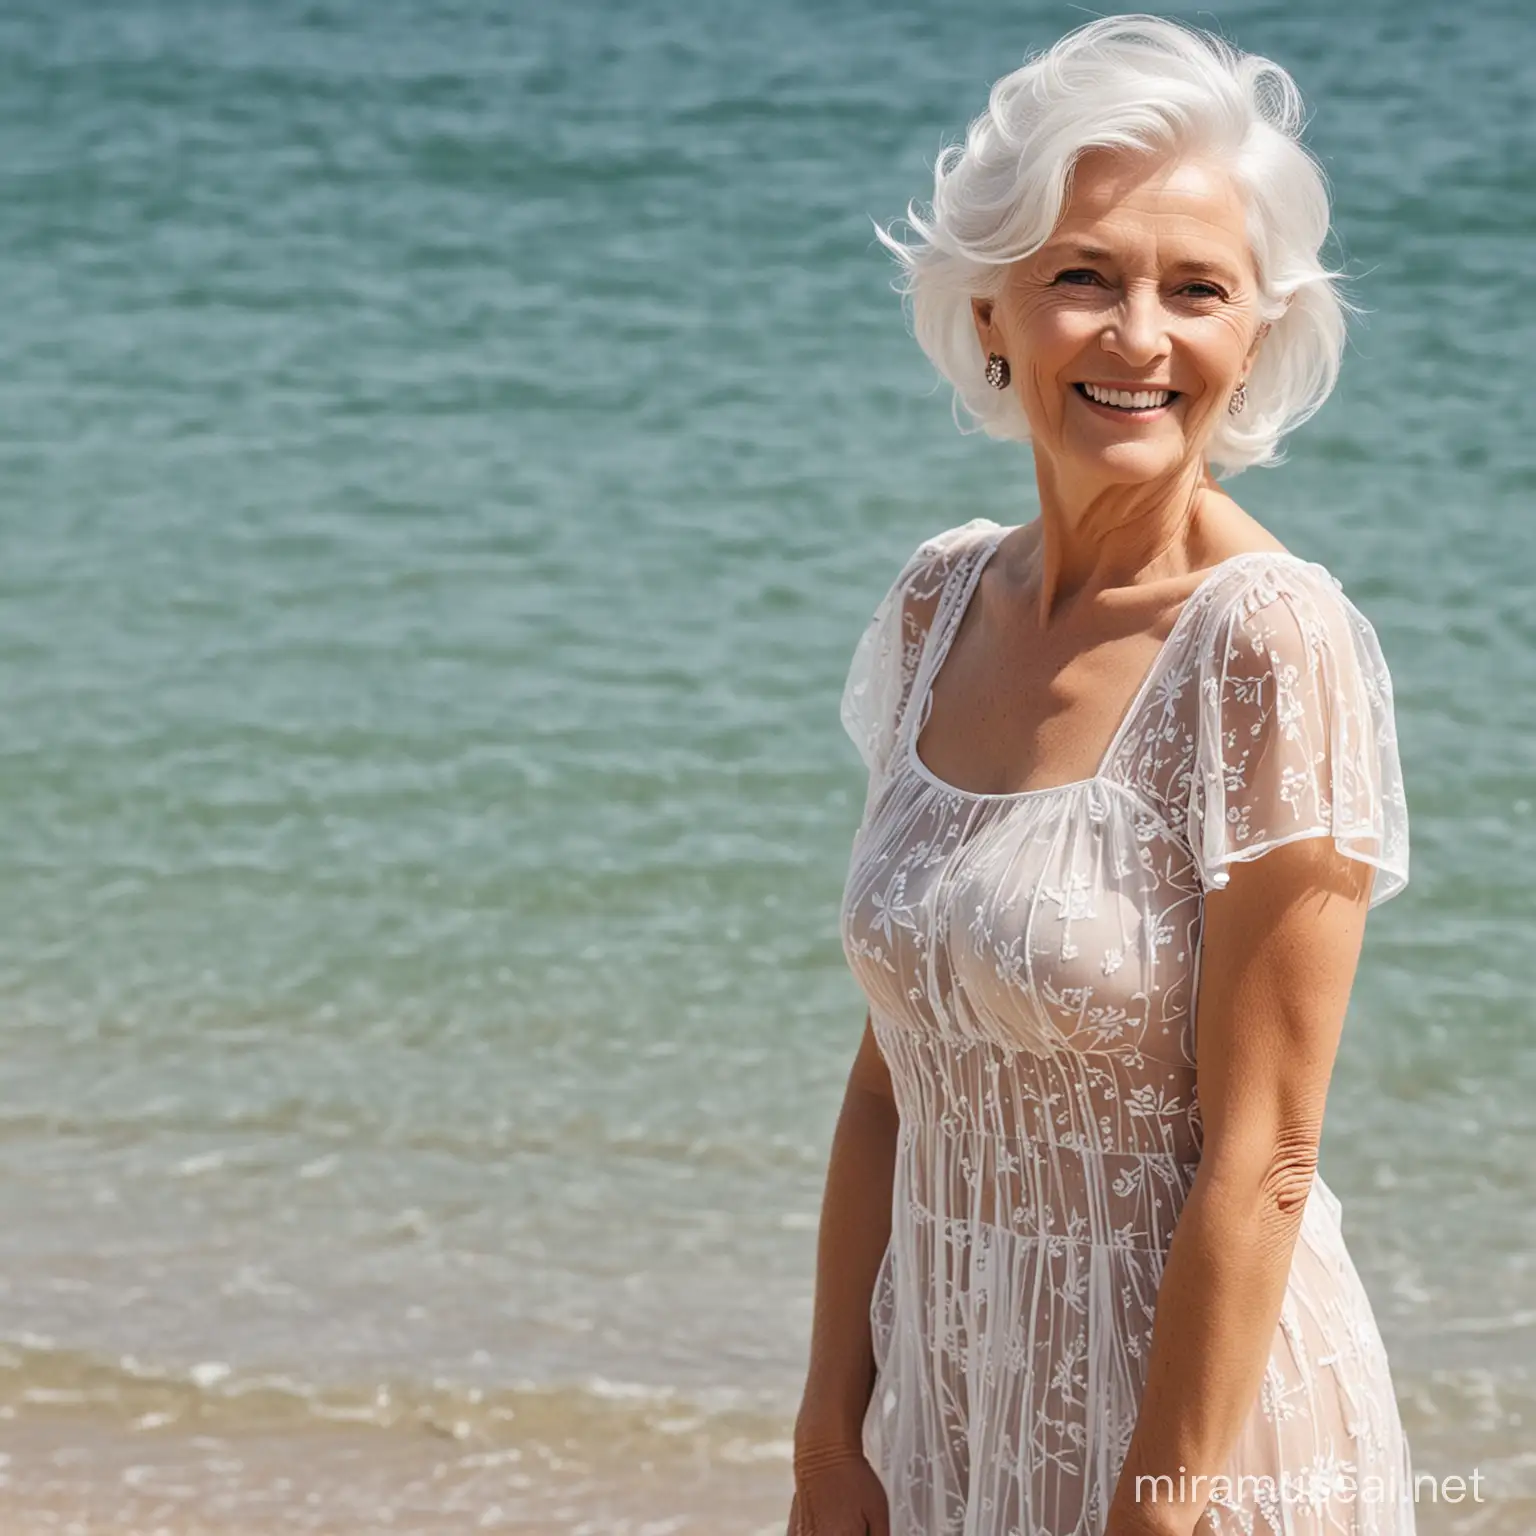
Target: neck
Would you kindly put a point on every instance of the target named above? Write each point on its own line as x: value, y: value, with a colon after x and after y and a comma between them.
x: 1118, y: 535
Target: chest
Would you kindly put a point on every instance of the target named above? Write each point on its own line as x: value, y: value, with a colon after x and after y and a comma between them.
x: 1067, y: 919
x: 1008, y: 713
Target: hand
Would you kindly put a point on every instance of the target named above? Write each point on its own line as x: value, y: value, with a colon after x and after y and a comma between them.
x: 838, y: 1498
x: 1155, y: 1520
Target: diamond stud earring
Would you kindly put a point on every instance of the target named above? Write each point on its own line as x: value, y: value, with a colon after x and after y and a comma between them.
x: 997, y: 371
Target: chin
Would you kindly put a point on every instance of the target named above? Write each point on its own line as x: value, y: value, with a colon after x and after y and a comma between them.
x: 1130, y: 463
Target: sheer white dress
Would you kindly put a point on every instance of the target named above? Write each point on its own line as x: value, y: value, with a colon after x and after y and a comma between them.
x: 1031, y: 962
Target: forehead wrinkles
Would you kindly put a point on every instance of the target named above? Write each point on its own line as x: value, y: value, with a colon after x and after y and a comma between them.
x: 1100, y: 182
x: 1153, y: 241
x: 1183, y: 213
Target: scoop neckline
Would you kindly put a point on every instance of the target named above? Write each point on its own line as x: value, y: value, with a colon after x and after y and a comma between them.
x: 929, y: 671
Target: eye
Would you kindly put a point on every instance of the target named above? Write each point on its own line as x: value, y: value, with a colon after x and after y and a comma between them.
x: 1077, y: 276
x: 1208, y: 290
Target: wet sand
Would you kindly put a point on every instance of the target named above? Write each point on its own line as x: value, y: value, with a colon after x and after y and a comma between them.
x: 66, y: 1478
x: 86, y: 1480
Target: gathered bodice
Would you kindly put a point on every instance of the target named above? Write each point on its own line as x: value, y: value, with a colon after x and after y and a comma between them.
x: 1032, y: 959
x: 1068, y: 919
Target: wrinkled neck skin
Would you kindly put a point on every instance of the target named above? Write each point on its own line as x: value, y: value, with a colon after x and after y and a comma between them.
x: 1099, y: 537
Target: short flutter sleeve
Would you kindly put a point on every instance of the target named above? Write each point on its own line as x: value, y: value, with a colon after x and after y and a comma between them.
x: 1296, y: 734
x: 889, y: 652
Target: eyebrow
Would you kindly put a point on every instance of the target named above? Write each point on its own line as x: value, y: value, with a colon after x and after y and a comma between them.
x: 1085, y: 252
x: 1098, y: 253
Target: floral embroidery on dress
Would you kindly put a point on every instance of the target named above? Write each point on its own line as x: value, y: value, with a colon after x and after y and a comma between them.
x: 1031, y: 966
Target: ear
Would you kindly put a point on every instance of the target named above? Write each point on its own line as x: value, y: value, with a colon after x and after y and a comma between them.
x: 1253, y: 348
x: 981, y: 313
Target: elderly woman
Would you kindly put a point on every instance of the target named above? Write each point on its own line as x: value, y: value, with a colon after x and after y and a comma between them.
x: 1132, y: 765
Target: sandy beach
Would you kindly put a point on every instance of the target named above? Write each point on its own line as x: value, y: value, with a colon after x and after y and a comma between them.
x: 65, y: 1481
x: 66, y: 1478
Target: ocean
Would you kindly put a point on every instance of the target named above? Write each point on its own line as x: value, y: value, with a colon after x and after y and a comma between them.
x: 450, y: 450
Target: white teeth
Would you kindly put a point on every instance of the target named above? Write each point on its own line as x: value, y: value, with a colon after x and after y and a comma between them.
x: 1141, y: 400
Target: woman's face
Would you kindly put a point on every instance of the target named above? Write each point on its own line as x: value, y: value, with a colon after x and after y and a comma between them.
x: 1146, y: 285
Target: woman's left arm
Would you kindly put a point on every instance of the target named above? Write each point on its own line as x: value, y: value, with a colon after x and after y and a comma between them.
x: 1280, y: 946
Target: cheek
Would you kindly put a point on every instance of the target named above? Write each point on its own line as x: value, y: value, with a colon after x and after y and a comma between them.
x: 1221, y: 345
x: 1049, y: 338
x: 1050, y: 329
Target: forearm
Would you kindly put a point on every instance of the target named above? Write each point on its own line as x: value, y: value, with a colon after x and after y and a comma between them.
x: 1217, y: 1307
x: 855, y: 1227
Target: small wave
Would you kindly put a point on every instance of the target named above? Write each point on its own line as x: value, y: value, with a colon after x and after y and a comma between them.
x: 40, y: 1381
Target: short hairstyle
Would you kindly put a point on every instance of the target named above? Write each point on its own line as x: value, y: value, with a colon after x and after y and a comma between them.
x: 1140, y: 83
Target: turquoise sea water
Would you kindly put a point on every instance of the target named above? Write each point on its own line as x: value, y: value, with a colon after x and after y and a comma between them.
x: 449, y: 452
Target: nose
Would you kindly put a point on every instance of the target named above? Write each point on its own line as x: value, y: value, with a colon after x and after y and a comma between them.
x: 1137, y: 331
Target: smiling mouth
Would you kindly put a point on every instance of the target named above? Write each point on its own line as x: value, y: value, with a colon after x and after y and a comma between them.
x: 1131, y: 402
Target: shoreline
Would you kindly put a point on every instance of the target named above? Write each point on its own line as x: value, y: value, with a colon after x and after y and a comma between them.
x: 65, y: 1474
x: 85, y: 1478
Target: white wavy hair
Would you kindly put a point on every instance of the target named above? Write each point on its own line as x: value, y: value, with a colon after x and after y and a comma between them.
x: 1140, y: 83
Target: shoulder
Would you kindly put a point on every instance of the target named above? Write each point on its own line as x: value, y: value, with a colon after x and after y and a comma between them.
x: 1295, y: 732
x: 1279, y: 607
x: 1281, y: 641
x: 940, y: 553
x: 936, y: 566
x: 888, y: 652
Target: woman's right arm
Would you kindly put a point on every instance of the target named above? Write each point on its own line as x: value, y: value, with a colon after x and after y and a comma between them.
x: 836, y: 1490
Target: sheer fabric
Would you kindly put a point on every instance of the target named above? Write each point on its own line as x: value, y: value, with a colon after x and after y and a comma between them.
x: 1031, y: 962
